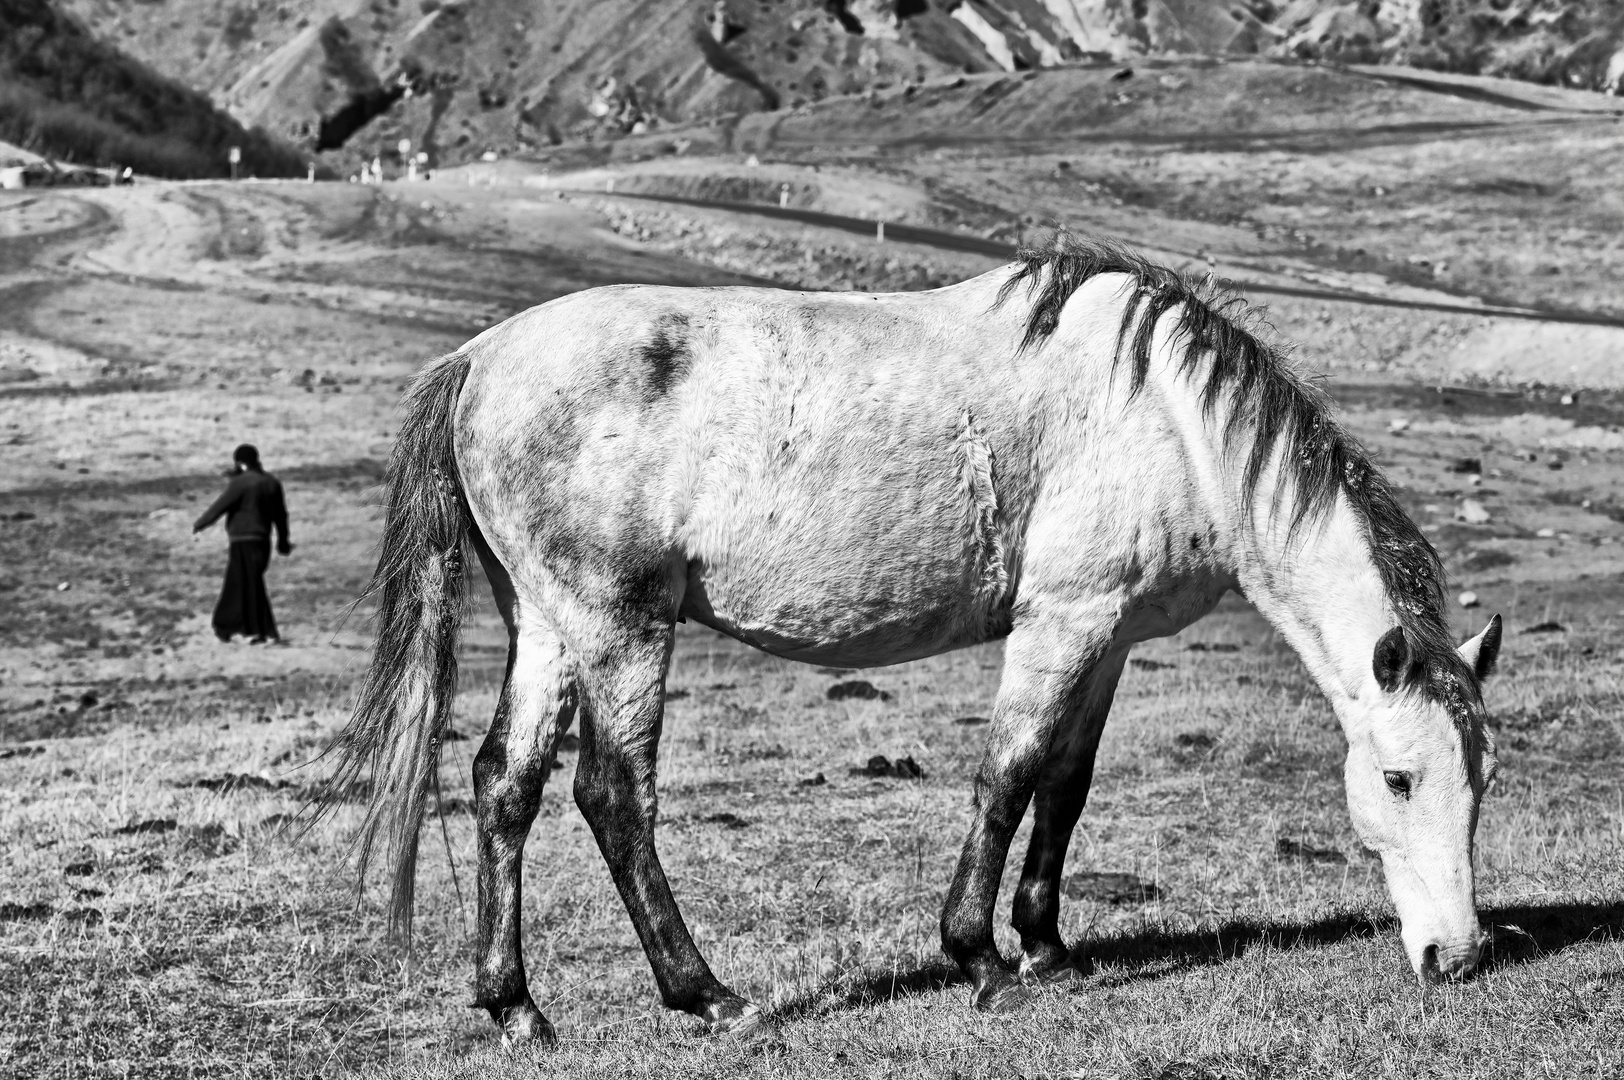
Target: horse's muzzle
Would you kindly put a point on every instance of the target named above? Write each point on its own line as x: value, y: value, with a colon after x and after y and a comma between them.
x: 1450, y: 962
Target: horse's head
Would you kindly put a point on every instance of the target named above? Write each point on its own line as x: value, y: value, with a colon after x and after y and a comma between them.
x: 1417, y: 768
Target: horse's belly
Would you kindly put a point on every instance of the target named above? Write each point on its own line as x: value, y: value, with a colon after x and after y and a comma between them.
x: 854, y: 643
x: 854, y: 606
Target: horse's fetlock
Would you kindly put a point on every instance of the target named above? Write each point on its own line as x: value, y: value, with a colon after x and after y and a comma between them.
x: 964, y: 948
x: 683, y: 1001
x: 499, y: 988
x: 1035, y: 911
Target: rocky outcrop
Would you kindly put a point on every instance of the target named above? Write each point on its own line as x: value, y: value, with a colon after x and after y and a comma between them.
x: 1572, y: 43
x: 318, y: 88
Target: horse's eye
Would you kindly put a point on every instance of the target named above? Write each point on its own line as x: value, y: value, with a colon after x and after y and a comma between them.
x: 1398, y: 783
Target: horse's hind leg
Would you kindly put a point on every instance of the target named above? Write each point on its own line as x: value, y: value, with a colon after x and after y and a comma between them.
x: 510, y: 770
x: 622, y: 708
x: 1057, y: 803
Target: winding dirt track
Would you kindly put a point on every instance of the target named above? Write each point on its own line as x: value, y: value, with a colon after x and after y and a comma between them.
x: 1264, y: 280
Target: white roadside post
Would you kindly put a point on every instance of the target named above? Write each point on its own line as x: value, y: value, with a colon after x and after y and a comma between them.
x: 404, y: 147
x: 879, y: 232
x: 234, y: 155
x: 783, y: 196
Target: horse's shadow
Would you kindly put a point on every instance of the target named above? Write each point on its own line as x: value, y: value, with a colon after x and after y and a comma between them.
x: 1517, y: 934
x: 1524, y: 932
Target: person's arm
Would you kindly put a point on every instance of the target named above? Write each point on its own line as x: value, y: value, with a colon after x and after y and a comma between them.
x: 279, y: 518
x: 226, y: 501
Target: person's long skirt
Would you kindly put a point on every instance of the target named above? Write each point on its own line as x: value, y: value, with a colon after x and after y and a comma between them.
x: 244, y: 607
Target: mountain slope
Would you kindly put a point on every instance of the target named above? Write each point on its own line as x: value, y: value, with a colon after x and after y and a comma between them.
x: 68, y: 95
x: 463, y: 77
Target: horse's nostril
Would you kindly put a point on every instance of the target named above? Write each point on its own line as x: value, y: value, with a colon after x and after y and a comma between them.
x: 1429, y: 965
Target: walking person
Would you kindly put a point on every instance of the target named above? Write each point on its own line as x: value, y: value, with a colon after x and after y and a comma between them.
x: 252, y: 504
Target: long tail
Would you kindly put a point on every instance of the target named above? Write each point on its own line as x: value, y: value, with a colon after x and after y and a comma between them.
x: 404, y: 705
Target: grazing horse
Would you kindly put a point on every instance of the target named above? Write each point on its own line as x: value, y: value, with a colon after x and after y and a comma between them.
x: 1073, y: 453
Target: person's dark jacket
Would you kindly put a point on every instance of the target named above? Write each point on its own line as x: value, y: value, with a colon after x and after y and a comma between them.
x: 253, y: 504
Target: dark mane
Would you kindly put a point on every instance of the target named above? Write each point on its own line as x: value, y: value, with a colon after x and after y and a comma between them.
x: 1274, y: 409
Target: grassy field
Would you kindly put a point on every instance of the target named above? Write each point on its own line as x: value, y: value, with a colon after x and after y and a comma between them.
x: 1232, y: 924
x: 158, y: 916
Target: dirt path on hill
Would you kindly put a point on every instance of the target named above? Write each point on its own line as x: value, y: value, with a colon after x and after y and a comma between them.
x: 145, y: 331
x: 1229, y: 271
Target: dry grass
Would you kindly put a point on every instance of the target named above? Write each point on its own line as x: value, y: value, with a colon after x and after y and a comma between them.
x: 225, y: 947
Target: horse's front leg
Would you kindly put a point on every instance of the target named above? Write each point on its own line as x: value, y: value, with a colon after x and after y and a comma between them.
x: 1046, y: 664
x: 1062, y: 789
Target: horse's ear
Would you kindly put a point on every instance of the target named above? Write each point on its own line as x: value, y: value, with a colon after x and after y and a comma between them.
x: 1392, y: 659
x: 1481, y: 652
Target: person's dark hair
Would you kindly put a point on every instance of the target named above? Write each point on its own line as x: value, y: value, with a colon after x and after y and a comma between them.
x: 246, y: 454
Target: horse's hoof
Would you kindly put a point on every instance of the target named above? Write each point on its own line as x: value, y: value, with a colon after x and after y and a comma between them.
x: 1060, y: 973
x: 1060, y: 977
x: 1000, y: 996
x: 523, y: 1025
x: 736, y: 1019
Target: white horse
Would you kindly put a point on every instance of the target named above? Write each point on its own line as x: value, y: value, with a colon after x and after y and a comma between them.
x: 1075, y: 453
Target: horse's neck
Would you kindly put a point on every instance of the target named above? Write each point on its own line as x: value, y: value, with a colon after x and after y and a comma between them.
x: 1319, y: 587
x: 1318, y: 584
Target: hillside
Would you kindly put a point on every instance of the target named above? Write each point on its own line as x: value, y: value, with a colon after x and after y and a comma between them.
x: 66, y: 94
x: 464, y: 77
